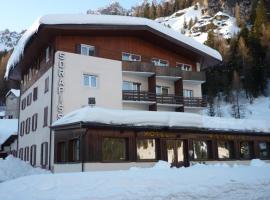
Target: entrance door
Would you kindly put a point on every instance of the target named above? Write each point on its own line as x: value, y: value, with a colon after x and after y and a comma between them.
x: 175, y: 152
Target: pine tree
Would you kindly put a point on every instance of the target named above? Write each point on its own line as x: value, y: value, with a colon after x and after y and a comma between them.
x: 146, y: 10
x: 153, y: 11
x: 238, y: 15
x: 210, y: 39
x: 190, y: 23
x: 260, y: 18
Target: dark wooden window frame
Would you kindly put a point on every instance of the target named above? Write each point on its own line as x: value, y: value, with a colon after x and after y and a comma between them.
x: 209, y: 150
x: 252, y: 150
x: 46, y: 85
x: 29, y: 99
x: 28, y: 125
x: 44, y: 147
x: 34, y: 122
x: 268, y: 149
x: 21, y: 153
x: 26, y: 154
x: 59, y: 158
x: 22, y: 126
x: 23, y: 103
x: 33, y: 153
x: 71, y: 150
x: 35, y: 93
x: 45, y: 116
x: 232, y: 154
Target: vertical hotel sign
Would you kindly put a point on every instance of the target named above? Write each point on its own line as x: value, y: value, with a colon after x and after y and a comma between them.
x: 60, y: 84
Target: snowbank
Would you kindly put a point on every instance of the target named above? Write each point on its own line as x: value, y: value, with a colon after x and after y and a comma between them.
x: 160, y: 183
x: 11, y: 168
x: 159, y: 119
x: 8, y: 127
x: 103, y: 20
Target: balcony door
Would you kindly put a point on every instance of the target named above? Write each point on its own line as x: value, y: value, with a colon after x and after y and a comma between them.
x: 131, y: 86
x: 175, y: 152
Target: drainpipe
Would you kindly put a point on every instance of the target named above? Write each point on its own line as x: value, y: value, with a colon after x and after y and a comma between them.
x: 82, y: 147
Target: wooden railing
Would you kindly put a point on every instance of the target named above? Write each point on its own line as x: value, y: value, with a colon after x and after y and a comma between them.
x: 169, y: 99
x: 134, y: 95
x: 195, y: 102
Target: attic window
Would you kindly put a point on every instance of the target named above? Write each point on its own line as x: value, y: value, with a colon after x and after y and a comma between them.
x: 160, y: 63
x: 184, y: 67
x: 87, y: 50
x: 47, y: 54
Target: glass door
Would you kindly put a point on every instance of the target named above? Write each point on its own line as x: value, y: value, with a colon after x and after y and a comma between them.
x: 175, y: 152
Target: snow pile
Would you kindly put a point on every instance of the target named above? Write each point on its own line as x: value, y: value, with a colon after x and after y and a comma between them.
x: 8, y: 127
x: 161, y: 119
x: 193, y: 183
x: 12, y: 168
x: 103, y: 20
x: 15, y: 92
x: 223, y: 24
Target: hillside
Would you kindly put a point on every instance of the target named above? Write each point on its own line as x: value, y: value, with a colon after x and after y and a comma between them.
x: 192, y: 22
x: 9, y: 39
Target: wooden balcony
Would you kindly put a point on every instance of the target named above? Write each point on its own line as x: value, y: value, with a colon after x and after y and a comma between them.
x: 169, y: 99
x: 148, y: 67
x: 133, y: 95
x: 150, y: 97
x: 195, y: 102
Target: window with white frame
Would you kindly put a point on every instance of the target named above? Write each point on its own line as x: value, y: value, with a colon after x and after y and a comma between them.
x: 47, y: 54
x: 90, y: 80
x: 184, y: 67
x: 131, y: 57
x: 162, y: 90
x: 87, y: 50
x: 188, y: 93
x: 127, y: 85
x: 160, y: 63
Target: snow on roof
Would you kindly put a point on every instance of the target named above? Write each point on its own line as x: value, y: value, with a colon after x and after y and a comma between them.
x: 15, y: 92
x: 101, y: 20
x: 160, y: 119
x: 8, y: 127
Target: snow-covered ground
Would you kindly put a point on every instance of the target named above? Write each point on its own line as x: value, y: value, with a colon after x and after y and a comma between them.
x: 160, y: 182
x: 11, y: 168
x: 222, y: 23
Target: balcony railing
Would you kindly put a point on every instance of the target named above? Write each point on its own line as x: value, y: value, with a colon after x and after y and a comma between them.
x: 162, y: 71
x: 144, y: 96
x: 194, y: 102
x: 134, y: 95
x: 169, y: 99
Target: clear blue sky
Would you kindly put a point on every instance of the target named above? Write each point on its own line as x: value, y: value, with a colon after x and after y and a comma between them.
x: 20, y: 14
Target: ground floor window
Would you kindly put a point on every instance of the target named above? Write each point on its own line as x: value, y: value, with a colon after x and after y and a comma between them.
x: 26, y: 154
x: 61, y: 152
x: 114, y: 149
x: 225, y: 149
x: 21, y: 153
x: 200, y: 149
x: 246, y: 150
x: 44, y: 154
x: 264, y: 149
x: 33, y: 151
x: 146, y: 149
x: 74, y: 149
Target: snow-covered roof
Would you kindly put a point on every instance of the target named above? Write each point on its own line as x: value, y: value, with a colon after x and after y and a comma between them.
x: 160, y: 119
x: 58, y: 19
x: 8, y: 127
x: 14, y: 91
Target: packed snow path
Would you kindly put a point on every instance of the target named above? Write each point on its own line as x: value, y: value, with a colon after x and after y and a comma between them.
x: 158, y: 183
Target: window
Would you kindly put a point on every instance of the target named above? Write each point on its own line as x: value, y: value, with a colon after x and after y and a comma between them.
x: 87, y: 50
x: 33, y: 151
x: 34, y: 122
x: 264, y: 149
x: 200, y: 149
x: 61, y: 152
x: 10, y: 117
x: 35, y: 93
x: 90, y: 80
x: 47, y: 54
x: 246, y: 150
x: 21, y: 153
x: 188, y: 93
x: 162, y: 90
x: 128, y: 86
x: 27, y: 125
x: 23, y: 103
x: 160, y: 62
x: 26, y: 154
x: 184, y: 67
x: 146, y: 149
x: 45, y: 117
x: 130, y: 57
x: 46, y: 88
x: 74, y: 150
x: 44, y: 154
x: 114, y: 149
x: 22, y: 128
x: 29, y: 99
x: 225, y: 149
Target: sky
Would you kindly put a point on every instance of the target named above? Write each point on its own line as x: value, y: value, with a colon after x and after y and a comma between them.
x: 17, y: 15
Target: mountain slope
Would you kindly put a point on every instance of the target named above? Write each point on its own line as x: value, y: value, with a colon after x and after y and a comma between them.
x: 194, y: 23
x: 9, y: 39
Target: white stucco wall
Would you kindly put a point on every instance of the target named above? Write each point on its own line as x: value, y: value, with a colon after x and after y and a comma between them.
x: 135, y: 106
